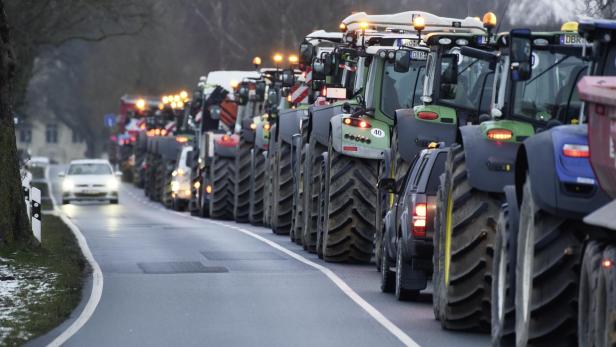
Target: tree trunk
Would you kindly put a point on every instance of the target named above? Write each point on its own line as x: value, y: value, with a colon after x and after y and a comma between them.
x: 14, y: 224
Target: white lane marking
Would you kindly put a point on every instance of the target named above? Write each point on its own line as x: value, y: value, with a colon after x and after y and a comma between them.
x: 97, y: 275
x: 339, y: 282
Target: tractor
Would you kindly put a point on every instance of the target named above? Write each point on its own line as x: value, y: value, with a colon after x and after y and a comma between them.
x: 533, y: 95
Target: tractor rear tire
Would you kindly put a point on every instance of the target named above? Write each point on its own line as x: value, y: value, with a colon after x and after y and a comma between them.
x: 312, y: 187
x: 257, y: 186
x: 298, y: 198
x: 590, y: 295
x: 348, y: 226
x: 221, y: 179
x: 465, y: 242
x: 283, y: 191
x: 547, y: 276
x: 503, y: 281
x: 606, y: 317
x: 241, y: 189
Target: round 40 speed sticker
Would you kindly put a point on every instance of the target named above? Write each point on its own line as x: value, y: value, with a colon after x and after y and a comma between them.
x: 376, y: 132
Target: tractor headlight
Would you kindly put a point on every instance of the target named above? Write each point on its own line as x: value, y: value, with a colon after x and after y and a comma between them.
x: 68, y: 184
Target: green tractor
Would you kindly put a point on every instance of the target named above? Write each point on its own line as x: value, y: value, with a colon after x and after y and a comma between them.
x: 482, y: 163
x: 438, y: 105
x: 250, y: 95
x: 357, y: 138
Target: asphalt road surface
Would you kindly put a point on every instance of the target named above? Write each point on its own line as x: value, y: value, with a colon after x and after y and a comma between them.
x: 175, y: 280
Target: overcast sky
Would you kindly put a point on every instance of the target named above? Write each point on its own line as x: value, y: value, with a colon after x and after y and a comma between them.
x: 526, y: 12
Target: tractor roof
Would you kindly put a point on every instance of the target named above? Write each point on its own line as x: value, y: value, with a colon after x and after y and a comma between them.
x: 224, y: 78
x: 404, y: 21
x: 322, y: 35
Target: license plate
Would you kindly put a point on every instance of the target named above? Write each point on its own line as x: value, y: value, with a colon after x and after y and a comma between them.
x: 91, y: 192
x: 572, y: 40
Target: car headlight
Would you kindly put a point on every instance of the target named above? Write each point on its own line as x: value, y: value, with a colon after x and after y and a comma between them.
x: 113, y: 184
x: 68, y: 184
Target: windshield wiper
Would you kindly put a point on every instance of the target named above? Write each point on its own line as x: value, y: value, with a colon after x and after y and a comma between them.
x: 467, y: 67
x: 548, y: 69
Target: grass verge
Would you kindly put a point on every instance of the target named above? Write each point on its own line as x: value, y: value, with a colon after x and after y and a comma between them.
x: 39, y: 288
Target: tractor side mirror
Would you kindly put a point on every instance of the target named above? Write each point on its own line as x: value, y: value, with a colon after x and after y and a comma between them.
x: 288, y: 78
x: 243, y: 94
x: 260, y: 91
x: 387, y: 184
x: 402, y: 60
x: 449, y: 69
x: 328, y: 63
x: 520, y: 54
x: 215, y: 112
x: 306, y: 53
x: 318, y: 70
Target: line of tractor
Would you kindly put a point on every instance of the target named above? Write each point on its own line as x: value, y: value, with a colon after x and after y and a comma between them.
x: 453, y: 156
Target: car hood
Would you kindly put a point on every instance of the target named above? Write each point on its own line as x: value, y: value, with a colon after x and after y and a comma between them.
x: 89, y: 179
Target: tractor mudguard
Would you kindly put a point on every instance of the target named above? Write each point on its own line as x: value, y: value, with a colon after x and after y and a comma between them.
x: 389, y: 235
x: 511, y: 198
x: 355, y: 148
x: 272, y: 145
x: 290, y: 123
x: 247, y: 133
x: 417, y: 134
x: 489, y: 164
x: 387, y: 162
x: 224, y: 151
x: 320, y: 117
x: 562, y: 185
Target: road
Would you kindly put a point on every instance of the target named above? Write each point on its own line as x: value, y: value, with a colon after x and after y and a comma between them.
x: 174, y: 280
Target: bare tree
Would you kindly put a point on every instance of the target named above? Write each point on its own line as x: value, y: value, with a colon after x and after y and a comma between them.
x: 36, y: 24
x: 601, y: 8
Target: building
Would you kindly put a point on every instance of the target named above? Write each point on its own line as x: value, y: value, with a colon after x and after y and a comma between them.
x: 50, y: 138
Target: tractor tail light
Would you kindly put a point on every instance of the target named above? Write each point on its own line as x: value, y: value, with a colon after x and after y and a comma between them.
x: 418, y: 221
x: 227, y: 141
x: 426, y: 115
x: 357, y: 122
x: 500, y: 134
x: 576, y: 151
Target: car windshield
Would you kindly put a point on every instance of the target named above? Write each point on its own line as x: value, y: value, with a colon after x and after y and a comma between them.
x: 89, y: 169
x: 474, y: 84
x: 550, y: 93
x: 401, y: 89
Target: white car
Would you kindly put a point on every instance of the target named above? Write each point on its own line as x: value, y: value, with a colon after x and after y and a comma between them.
x: 90, y: 179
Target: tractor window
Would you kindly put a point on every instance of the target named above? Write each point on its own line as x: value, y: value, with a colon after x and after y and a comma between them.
x: 370, y: 83
x: 437, y: 169
x: 548, y: 94
x: 470, y: 91
x: 401, y: 89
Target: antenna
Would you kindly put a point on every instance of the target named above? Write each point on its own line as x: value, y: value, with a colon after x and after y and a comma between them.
x: 502, y: 17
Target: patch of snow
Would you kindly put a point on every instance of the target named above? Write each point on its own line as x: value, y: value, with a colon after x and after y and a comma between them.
x: 20, y: 288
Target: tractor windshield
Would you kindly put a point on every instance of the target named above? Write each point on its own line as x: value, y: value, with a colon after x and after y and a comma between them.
x: 550, y: 93
x: 401, y: 89
x: 473, y: 89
